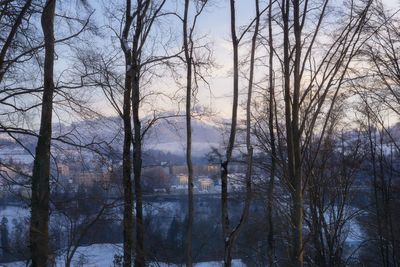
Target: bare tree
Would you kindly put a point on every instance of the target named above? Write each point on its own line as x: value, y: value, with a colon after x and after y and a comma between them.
x: 139, y: 20
x: 381, y: 53
x: 190, y: 61
x: 377, y: 87
x: 9, y: 42
x: 126, y: 153
x: 310, y: 87
x: 380, y: 226
x: 329, y: 192
x: 271, y: 119
x: 41, y: 166
x: 188, y: 48
x: 230, y: 235
x: 146, y: 14
x: 78, y: 222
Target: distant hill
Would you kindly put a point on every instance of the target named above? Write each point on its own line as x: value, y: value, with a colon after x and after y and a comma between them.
x: 170, y: 136
x: 166, y: 135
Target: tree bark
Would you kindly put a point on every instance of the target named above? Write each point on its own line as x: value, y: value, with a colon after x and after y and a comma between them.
x: 41, y: 167
x: 10, y: 38
x: 188, y: 59
x: 292, y: 129
x: 271, y: 108
x: 126, y: 153
x: 141, y: 10
x: 137, y: 171
x: 230, y: 236
x: 297, y: 217
x: 231, y: 142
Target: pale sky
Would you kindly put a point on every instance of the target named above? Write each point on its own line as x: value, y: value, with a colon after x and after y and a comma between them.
x: 215, y: 23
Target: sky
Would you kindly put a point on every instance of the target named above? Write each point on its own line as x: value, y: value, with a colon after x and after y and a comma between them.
x: 215, y: 24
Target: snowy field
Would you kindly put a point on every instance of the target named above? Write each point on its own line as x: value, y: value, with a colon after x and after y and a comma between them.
x: 102, y: 255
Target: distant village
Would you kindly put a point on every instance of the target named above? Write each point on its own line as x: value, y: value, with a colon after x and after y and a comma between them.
x: 161, y: 178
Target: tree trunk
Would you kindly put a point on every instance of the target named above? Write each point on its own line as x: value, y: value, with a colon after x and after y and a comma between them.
x: 126, y: 153
x: 41, y: 166
x: 137, y: 170
x: 231, y: 236
x: 188, y: 59
x: 231, y: 142
x: 10, y: 38
x: 374, y: 161
x: 270, y: 193
x: 292, y: 129
x: 137, y: 141
x: 297, y: 219
x: 126, y: 173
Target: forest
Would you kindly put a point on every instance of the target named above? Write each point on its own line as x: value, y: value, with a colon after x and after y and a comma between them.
x: 199, y: 133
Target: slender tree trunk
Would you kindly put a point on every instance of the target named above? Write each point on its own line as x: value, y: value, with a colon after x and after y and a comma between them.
x: 384, y: 200
x: 231, y: 236
x: 288, y: 119
x: 292, y: 129
x: 137, y: 170
x: 297, y: 215
x: 141, y: 9
x: 188, y: 59
x: 126, y: 153
x: 126, y: 173
x: 271, y: 108
x: 297, y: 219
x: 144, y: 19
x: 11, y: 37
x: 231, y: 142
x: 372, y: 147
x: 41, y: 167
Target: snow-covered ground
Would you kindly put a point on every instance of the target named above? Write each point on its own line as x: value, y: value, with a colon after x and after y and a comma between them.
x: 14, y: 213
x: 102, y: 255
x: 355, y: 235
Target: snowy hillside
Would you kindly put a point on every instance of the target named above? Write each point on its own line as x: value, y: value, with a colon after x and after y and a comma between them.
x: 103, y: 255
x: 166, y: 135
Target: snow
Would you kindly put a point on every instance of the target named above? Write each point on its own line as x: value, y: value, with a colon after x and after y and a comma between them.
x: 162, y: 208
x: 355, y: 235
x: 14, y: 264
x: 235, y: 263
x: 17, y: 154
x: 388, y: 149
x: 179, y: 147
x: 11, y: 212
x: 125, y: 44
x: 14, y: 212
x: 96, y: 255
x: 102, y: 255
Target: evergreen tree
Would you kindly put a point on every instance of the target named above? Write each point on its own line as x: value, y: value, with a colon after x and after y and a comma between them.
x: 173, y: 232
x: 4, y: 238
